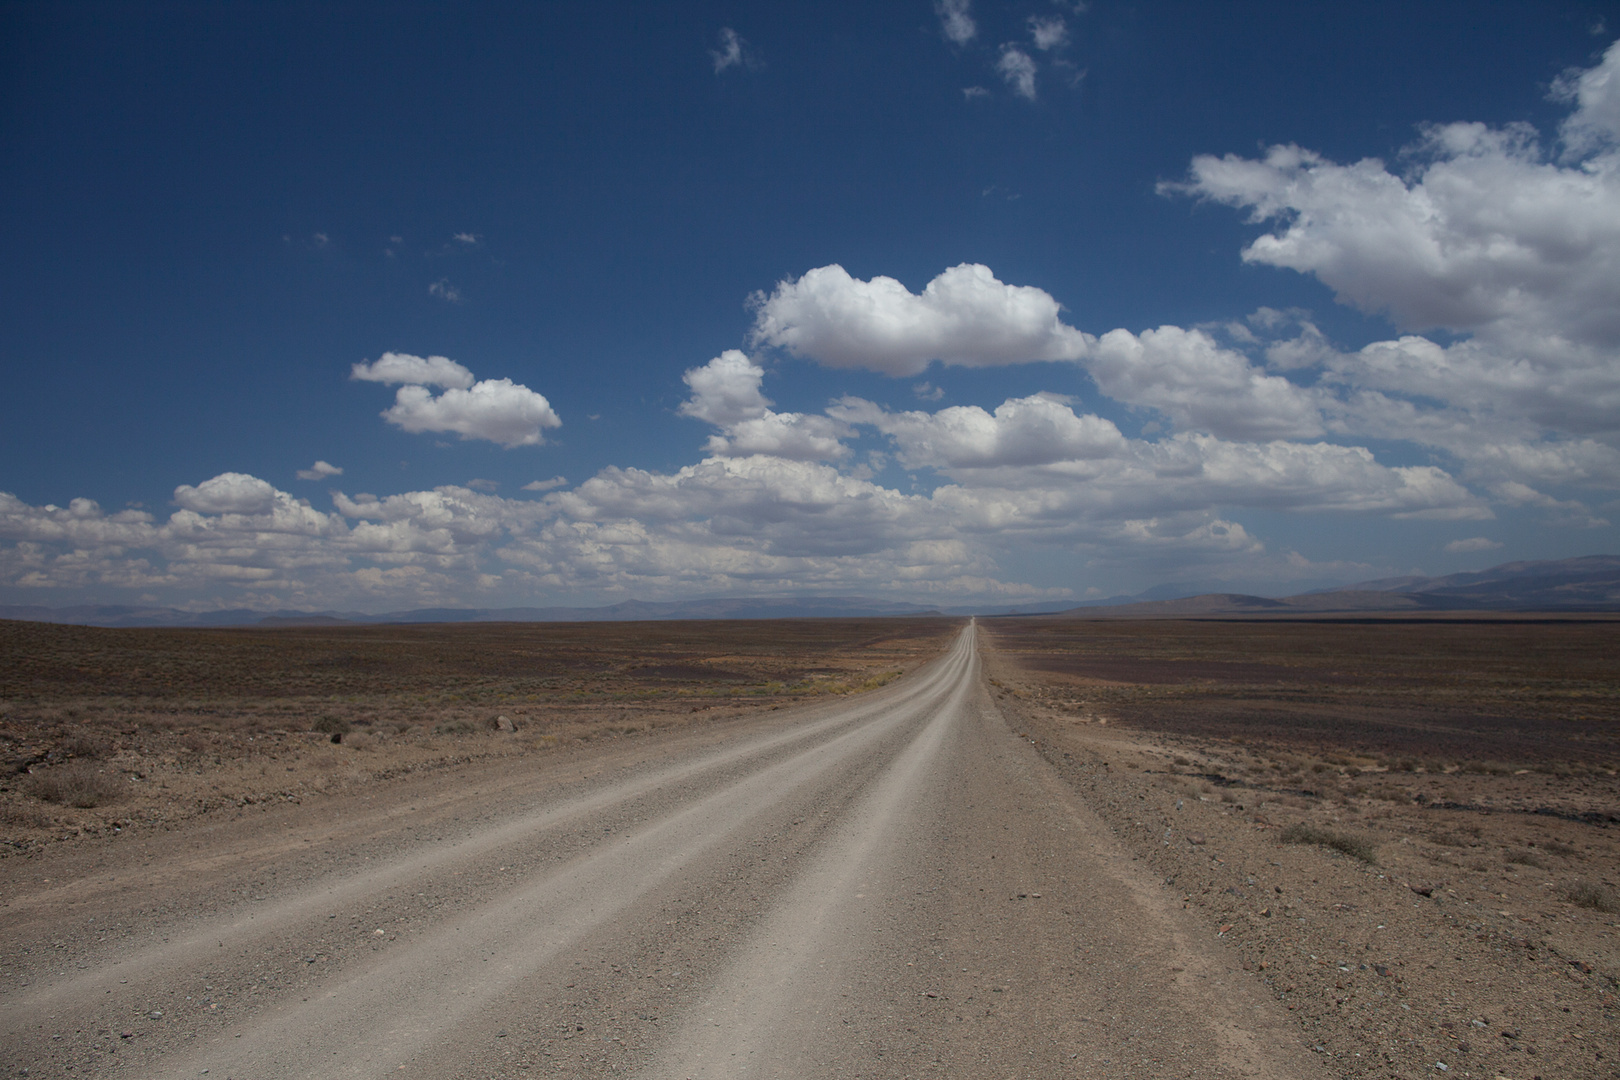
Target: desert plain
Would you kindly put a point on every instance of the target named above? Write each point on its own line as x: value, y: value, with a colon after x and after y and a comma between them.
x: 1361, y: 847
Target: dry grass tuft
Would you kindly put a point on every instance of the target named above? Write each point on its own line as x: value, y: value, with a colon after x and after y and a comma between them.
x: 1357, y: 847
x: 88, y: 745
x: 1589, y: 894
x: 330, y: 725
x: 24, y: 816
x: 77, y: 783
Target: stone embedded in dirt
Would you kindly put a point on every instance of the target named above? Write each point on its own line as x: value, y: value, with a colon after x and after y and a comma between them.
x: 1382, y: 970
x: 504, y: 723
x: 156, y: 1014
x: 1581, y: 966
x: 126, y: 1034
x: 1196, y: 839
x: 1420, y: 889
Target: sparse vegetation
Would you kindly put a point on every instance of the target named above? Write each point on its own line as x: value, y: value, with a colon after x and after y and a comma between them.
x: 77, y: 783
x: 1590, y: 894
x: 1357, y: 847
x: 331, y: 725
x: 203, y: 720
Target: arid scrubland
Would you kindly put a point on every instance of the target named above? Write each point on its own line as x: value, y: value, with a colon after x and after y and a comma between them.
x: 103, y: 730
x: 1405, y: 829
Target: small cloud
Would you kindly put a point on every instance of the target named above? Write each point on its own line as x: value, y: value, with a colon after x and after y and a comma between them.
x: 470, y: 239
x: 319, y: 471
x: 393, y: 367
x: 1018, y: 69
x: 956, y: 21
x: 1474, y: 543
x: 972, y: 92
x: 928, y: 391
x: 320, y: 239
x: 480, y: 484
x: 733, y: 52
x: 498, y: 410
x: 1079, y: 7
x: 228, y: 493
x: 546, y: 485
x: 445, y: 291
x: 1049, y: 32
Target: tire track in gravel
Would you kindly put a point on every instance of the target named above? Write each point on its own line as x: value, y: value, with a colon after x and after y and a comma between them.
x: 891, y: 886
x: 408, y: 997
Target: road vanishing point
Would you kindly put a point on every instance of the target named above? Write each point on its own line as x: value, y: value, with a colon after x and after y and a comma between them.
x: 888, y: 885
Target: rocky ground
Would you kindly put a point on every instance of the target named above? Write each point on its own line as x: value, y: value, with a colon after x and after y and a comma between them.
x: 106, y: 731
x: 1405, y: 834
x: 1423, y: 911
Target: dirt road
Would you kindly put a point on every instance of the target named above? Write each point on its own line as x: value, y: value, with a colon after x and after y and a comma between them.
x: 893, y: 885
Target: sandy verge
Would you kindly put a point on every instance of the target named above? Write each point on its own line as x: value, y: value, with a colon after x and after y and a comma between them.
x: 1453, y: 948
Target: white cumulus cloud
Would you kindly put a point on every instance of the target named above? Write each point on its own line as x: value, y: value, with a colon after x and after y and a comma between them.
x: 1036, y: 430
x: 546, y: 485
x: 726, y: 390
x: 1595, y: 92
x: 228, y: 493
x: 726, y: 393
x: 965, y: 317
x: 497, y: 410
x: 392, y: 367
x: 1188, y: 377
x: 319, y: 471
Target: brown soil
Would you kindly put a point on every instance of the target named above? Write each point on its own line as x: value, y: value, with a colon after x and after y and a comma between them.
x: 1405, y: 830
x: 103, y: 731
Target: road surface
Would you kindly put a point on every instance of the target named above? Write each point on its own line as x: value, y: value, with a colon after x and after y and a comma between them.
x: 891, y: 885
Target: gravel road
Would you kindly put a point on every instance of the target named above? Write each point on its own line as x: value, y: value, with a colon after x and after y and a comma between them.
x: 891, y: 885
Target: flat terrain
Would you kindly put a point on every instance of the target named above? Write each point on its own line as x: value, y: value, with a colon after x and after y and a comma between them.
x: 883, y: 848
x: 1405, y: 829
x: 150, y: 728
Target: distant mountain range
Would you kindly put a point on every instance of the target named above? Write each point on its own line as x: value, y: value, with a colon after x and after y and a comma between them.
x: 1590, y: 583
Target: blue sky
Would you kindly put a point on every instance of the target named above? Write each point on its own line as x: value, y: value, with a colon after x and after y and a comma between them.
x: 948, y: 302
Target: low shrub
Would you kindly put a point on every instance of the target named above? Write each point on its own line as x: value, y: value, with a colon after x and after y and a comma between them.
x: 330, y: 725
x: 88, y: 745
x: 1357, y: 847
x: 1589, y: 894
x: 24, y: 816
x: 78, y: 783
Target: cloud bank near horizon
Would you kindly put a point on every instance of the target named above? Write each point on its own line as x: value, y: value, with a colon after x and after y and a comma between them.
x: 1495, y: 258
